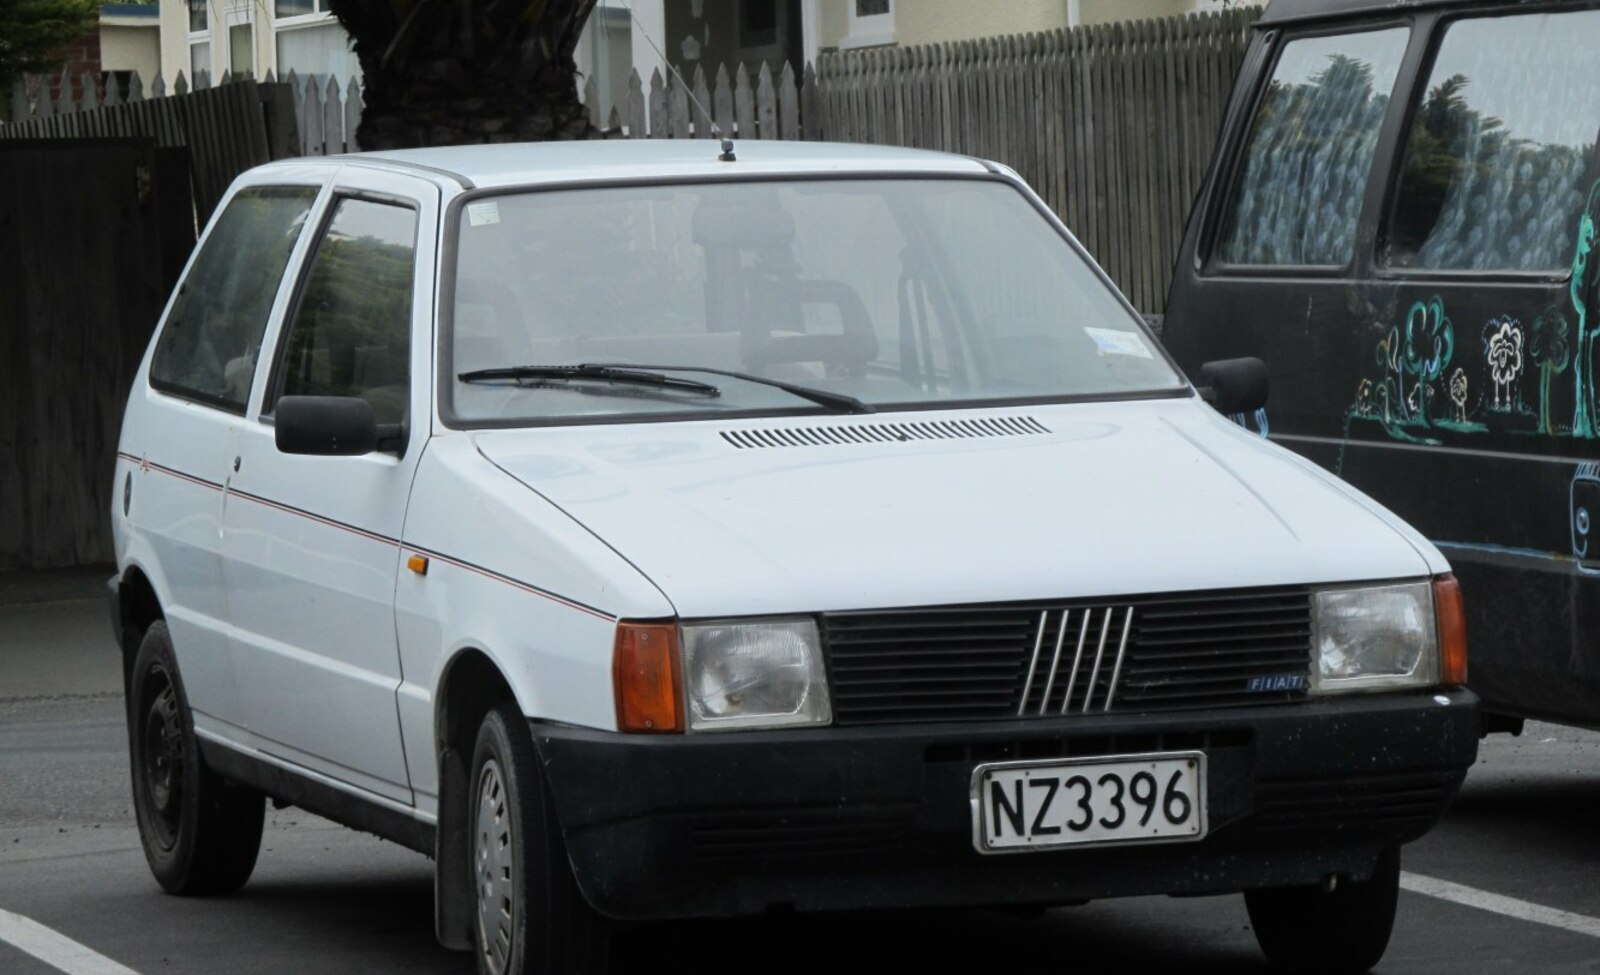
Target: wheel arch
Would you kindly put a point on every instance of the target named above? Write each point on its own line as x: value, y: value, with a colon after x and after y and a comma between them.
x: 137, y: 607
x: 470, y: 685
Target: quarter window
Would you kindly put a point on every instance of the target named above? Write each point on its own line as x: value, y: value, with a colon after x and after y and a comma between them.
x: 351, y: 334
x: 208, y: 349
x: 1306, y: 165
x: 1500, y: 146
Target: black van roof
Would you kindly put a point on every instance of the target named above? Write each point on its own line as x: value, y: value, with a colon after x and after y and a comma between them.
x: 1283, y: 11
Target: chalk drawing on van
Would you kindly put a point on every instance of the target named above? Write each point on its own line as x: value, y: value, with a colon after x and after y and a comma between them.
x: 1458, y: 395
x: 1584, y: 517
x: 1502, y: 353
x: 1416, y: 391
x: 1551, y: 352
x: 1583, y: 269
x: 1256, y: 421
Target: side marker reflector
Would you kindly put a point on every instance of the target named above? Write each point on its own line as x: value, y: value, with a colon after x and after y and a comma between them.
x: 418, y: 564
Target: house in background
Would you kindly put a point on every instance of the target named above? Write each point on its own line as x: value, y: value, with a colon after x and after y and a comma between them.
x: 253, y: 37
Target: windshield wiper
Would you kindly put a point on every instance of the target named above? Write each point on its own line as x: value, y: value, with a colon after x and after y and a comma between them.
x: 589, y: 372
x: 837, y: 402
x: 643, y: 375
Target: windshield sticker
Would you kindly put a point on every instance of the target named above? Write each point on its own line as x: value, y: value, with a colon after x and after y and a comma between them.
x: 1114, y: 342
x: 483, y: 214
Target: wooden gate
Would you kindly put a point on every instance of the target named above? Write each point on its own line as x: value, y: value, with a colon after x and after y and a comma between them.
x: 93, y: 233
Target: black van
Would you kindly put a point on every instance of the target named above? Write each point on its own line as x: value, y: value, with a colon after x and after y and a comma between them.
x: 1399, y: 220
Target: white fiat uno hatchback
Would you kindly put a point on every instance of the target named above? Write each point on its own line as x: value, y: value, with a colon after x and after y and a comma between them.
x: 647, y: 531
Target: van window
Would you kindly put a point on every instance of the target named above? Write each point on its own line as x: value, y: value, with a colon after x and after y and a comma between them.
x: 1502, y: 141
x: 351, y: 334
x: 208, y: 349
x: 1305, y: 168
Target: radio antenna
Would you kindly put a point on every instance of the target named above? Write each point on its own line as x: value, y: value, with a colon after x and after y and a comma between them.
x: 716, y: 130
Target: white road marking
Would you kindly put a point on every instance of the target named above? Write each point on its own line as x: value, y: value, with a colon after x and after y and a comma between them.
x: 1498, y: 904
x: 55, y: 949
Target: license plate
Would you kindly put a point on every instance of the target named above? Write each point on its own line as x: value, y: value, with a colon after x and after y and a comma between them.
x: 1113, y: 799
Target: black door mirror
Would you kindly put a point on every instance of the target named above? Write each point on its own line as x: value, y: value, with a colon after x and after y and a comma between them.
x: 1234, y: 385
x: 326, y: 426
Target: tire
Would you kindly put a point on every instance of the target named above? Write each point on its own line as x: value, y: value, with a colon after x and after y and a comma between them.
x: 200, y: 835
x: 529, y: 918
x: 1343, y: 932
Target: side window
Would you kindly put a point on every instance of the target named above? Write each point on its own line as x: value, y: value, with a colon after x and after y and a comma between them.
x: 1500, y: 147
x: 208, y: 349
x: 351, y: 333
x: 1305, y: 171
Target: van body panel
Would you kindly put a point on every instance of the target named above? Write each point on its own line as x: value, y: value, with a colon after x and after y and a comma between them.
x: 1461, y: 399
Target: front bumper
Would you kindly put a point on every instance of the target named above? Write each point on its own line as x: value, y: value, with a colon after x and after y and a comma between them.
x: 847, y: 818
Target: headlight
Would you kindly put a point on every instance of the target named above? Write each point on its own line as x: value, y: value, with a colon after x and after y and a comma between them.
x: 764, y: 674
x: 1374, y: 638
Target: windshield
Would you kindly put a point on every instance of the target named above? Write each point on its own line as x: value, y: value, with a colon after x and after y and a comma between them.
x: 896, y: 293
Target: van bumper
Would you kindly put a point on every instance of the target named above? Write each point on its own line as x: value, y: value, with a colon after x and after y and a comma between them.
x: 669, y: 826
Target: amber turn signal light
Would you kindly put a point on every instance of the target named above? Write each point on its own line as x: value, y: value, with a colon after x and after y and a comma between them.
x: 1452, y: 630
x: 644, y: 671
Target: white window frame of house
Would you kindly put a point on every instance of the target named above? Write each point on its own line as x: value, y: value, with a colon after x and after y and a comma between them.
x: 241, y: 12
x: 202, y: 36
x: 321, y: 15
x: 873, y: 30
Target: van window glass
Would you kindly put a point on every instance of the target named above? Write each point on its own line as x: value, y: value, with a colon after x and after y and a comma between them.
x: 208, y: 349
x: 1496, y: 160
x: 351, y: 334
x: 1305, y: 167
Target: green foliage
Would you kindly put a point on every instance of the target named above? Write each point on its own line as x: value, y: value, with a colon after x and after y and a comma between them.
x: 31, y: 31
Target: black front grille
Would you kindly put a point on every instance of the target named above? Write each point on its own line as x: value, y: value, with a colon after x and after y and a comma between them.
x: 1147, y: 653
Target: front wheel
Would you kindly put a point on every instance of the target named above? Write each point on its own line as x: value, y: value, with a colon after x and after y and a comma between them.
x: 1319, y: 932
x: 530, y: 918
x: 200, y: 834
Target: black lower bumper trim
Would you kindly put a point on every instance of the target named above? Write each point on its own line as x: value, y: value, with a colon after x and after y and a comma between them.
x: 717, y: 825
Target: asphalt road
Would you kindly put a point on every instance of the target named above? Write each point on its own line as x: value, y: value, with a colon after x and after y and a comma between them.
x: 1521, y: 847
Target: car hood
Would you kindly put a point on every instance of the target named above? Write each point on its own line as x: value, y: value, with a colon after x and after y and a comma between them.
x: 816, y: 514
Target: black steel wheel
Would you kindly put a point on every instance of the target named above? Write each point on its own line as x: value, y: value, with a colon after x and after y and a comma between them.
x: 1320, y: 932
x: 200, y: 834
x: 530, y: 918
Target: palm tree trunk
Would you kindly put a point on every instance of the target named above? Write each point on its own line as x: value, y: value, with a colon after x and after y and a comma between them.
x: 447, y: 72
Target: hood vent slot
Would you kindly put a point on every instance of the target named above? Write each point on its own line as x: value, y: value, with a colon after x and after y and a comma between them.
x: 865, y: 433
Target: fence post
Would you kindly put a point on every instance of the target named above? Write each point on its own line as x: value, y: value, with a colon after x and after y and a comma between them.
x: 766, y: 102
x: 353, y: 104
x: 591, y: 101
x: 722, y: 103
x: 332, y: 118
x: 658, y: 106
x: 702, y: 104
x: 743, y: 106
x: 312, y: 142
x: 638, y: 121
x: 788, y: 104
x: 19, y: 102
x: 678, y: 107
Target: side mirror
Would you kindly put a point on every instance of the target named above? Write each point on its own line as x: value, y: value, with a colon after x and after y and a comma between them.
x: 325, y: 426
x: 1234, y: 385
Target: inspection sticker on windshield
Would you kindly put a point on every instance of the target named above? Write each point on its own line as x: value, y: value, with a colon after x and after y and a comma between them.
x: 1114, y: 342
x: 482, y: 214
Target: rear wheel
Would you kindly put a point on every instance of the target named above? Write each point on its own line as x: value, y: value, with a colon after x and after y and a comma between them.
x: 530, y: 917
x: 200, y: 835
x: 1339, y: 932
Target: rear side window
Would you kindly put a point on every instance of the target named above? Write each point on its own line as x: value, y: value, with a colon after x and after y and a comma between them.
x: 1500, y: 147
x: 208, y: 350
x: 1306, y: 165
x: 351, y: 334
